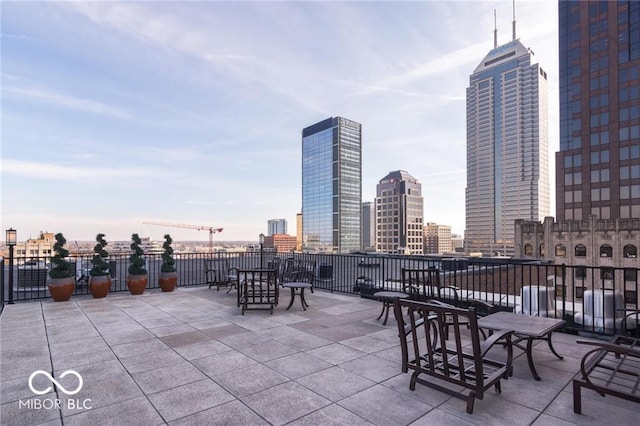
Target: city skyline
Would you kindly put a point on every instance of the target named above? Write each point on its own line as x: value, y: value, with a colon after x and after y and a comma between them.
x: 114, y: 114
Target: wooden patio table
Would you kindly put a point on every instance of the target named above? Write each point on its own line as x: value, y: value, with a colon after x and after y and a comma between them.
x: 525, y: 327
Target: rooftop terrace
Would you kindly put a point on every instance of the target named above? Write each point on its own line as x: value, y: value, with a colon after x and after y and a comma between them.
x: 189, y: 357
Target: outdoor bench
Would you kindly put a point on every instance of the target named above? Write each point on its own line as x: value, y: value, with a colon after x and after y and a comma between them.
x: 612, y: 368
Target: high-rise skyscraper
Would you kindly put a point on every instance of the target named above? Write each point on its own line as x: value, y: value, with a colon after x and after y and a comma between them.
x: 368, y: 225
x: 507, y: 147
x: 598, y: 165
x: 276, y: 226
x: 399, y: 207
x: 331, y: 186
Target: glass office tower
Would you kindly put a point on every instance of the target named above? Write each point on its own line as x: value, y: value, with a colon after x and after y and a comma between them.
x: 598, y: 165
x: 507, y: 148
x: 331, y: 186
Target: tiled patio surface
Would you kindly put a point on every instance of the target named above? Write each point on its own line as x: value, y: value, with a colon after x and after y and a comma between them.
x: 190, y: 358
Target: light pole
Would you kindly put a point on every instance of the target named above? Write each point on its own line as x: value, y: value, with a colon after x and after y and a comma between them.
x: 261, y: 241
x: 11, y: 240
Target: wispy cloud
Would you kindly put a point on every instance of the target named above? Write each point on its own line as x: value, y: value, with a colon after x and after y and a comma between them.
x: 439, y: 66
x: 65, y: 101
x: 72, y: 173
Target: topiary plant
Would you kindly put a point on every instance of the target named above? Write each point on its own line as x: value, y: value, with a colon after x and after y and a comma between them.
x: 100, y: 265
x: 168, y: 263
x: 61, y: 268
x: 136, y: 261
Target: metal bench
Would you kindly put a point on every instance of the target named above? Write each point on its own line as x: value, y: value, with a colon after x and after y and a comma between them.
x: 427, y: 353
x: 612, y: 368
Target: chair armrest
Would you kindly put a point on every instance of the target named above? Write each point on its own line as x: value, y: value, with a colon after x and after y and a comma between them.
x: 419, y: 322
x: 497, y: 335
x: 481, y: 307
x: 619, y: 349
x: 456, y: 296
x: 214, y: 272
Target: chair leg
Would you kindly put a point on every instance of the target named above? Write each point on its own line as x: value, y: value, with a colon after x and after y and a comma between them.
x: 577, y: 400
x: 470, y: 401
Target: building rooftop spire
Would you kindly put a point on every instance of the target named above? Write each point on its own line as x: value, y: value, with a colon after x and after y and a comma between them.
x: 495, y: 30
x: 514, y: 20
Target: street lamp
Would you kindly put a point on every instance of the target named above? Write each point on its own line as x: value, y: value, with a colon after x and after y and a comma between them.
x: 11, y: 239
x: 261, y: 241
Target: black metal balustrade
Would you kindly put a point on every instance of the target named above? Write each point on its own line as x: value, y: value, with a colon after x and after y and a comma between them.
x: 579, y: 294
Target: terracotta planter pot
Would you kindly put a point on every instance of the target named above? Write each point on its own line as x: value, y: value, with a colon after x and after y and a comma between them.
x: 100, y: 285
x: 61, y: 289
x: 168, y: 281
x: 137, y: 283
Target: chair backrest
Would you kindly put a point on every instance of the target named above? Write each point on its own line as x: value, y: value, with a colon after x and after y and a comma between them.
x: 537, y: 299
x: 426, y: 339
x: 259, y: 285
x: 421, y: 284
x: 298, y: 270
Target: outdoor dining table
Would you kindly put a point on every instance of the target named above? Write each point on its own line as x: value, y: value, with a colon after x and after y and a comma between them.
x: 387, y: 298
x: 525, y: 327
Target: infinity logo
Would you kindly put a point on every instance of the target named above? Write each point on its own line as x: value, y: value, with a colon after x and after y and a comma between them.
x: 55, y: 382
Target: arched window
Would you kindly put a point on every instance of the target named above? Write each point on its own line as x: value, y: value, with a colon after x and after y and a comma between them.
x: 528, y: 250
x: 606, y: 250
x: 581, y: 250
x: 561, y: 250
x: 629, y: 251
x: 541, y: 250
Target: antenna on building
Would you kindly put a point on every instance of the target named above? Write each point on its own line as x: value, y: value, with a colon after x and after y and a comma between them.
x: 514, y: 19
x: 495, y: 30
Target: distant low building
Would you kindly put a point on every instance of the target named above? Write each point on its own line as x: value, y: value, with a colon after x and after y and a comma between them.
x: 437, y: 239
x: 281, y: 243
x: 457, y: 243
x: 601, y: 243
x: 36, y: 247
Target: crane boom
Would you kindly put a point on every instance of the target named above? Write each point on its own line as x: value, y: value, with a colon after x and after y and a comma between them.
x: 212, y: 230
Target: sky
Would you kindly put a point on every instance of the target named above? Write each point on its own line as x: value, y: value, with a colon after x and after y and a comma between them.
x: 120, y: 113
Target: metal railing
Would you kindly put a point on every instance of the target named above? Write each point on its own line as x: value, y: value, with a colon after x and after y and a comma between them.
x: 592, y: 299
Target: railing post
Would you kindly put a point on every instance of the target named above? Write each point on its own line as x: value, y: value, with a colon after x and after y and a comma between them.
x: 2, y: 286
x: 11, y: 274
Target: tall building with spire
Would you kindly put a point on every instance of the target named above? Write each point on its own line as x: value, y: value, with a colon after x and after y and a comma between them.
x: 332, y: 186
x: 507, y: 147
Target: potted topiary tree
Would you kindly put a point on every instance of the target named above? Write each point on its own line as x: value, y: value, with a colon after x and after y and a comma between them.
x: 99, y: 278
x: 137, y: 279
x: 62, y: 282
x: 168, y: 276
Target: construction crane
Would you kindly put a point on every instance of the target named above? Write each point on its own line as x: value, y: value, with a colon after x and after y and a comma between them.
x: 211, y: 229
